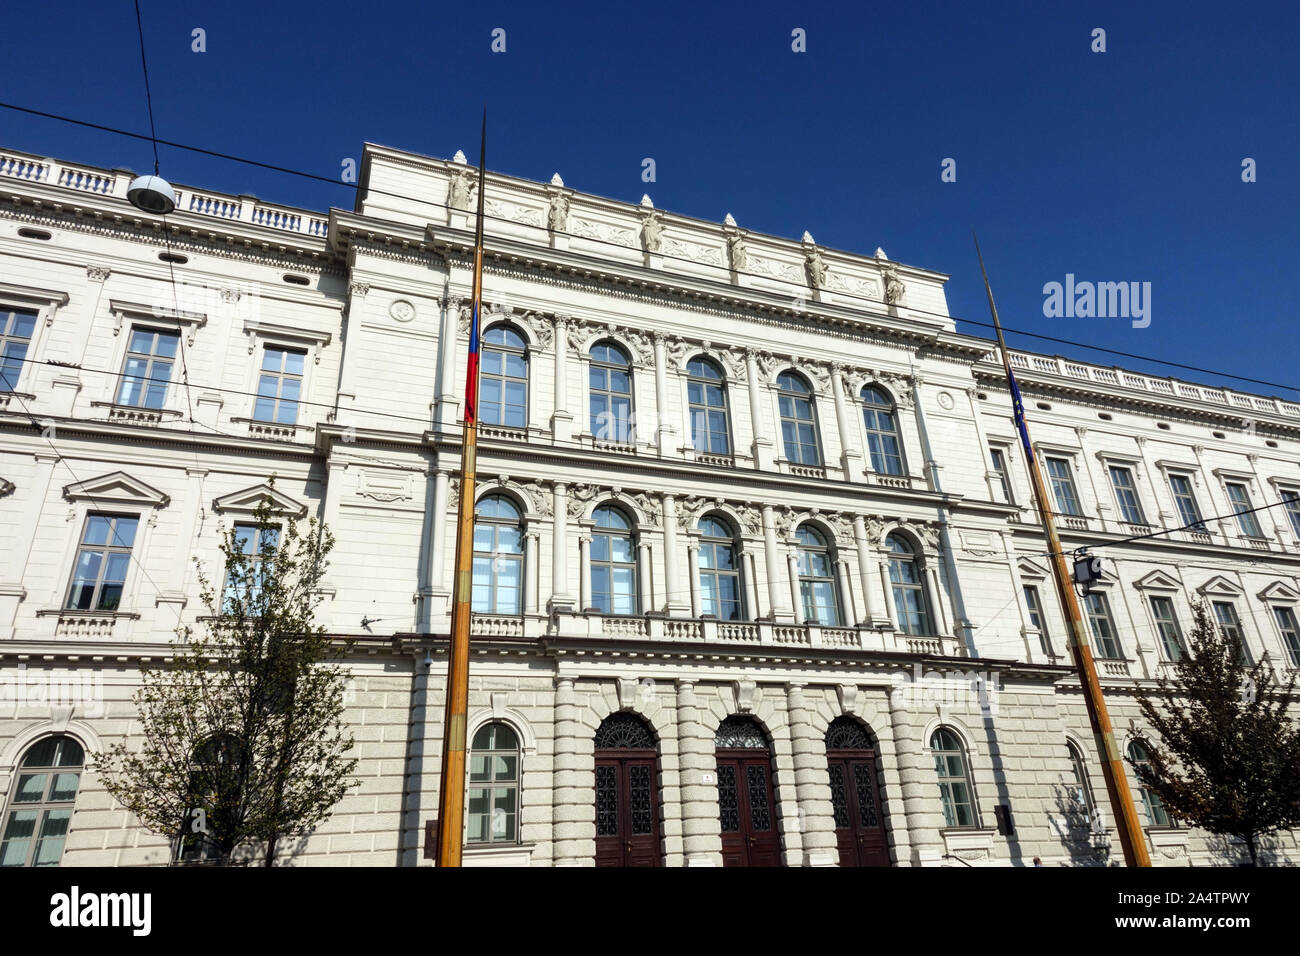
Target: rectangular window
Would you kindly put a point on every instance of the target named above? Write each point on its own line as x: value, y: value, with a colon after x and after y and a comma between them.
x: 1225, y: 612
x: 1034, y: 604
x: 1188, y: 511
x: 251, y: 541
x: 1067, y: 500
x: 1002, y: 476
x: 1171, y: 635
x: 1239, y: 499
x: 148, y: 368
x: 1121, y: 479
x: 16, y: 328
x: 1105, y: 640
x: 1291, y: 505
x: 279, y: 386
x: 103, y: 557
x: 1286, y: 623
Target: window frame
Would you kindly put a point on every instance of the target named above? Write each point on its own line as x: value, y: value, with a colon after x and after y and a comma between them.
x: 1037, y: 616
x: 1083, y: 783
x: 9, y: 316
x: 909, y: 556
x: 281, y: 376
x: 517, y: 558
x: 1289, y: 632
x: 1151, y: 802
x: 1247, y: 521
x: 809, y: 396
x: 697, y: 411
x: 804, y: 554
x: 1126, y: 496
x: 512, y: 785
x: 1171, y: 620
x: 1004, y: 473
x: 46, y: 805
x: 1066, y: 481
x: 705, y: 571
x: 1234, y: 624
x: 254, y: 555
x: 106, y: 550
x: 611, y: 565
x: 503, y: 378
x: 871, y: 412
x: 1107, y: 616
x: 946, y: 779
x: 1290, y: 498
x: 152, y: 356
x: 627, y: 433
x: 1197, y: 523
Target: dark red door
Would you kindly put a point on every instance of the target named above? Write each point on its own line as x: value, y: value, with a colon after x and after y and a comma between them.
x: 855, y: 800
x: 746, y: 808
x: 627, y: 814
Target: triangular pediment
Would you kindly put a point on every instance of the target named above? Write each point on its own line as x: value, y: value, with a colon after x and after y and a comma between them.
x: 247, y: 501
x: 1280, y: 591
x: 1219, y: 586
x: 1032, y: 569
x: 1159, y: 581
x: 117, y: 488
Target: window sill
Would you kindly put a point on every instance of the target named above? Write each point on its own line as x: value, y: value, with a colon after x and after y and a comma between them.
x: 498, y: 854
x: 138, y: 414
x: 22, y: 397
x: 272, y: 430
x: 77, y: 613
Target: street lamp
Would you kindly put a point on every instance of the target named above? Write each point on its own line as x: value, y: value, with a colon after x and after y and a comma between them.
x: 151, y: 194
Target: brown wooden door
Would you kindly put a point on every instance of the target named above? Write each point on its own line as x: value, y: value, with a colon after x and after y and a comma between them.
x: 746, y: 808
x: 855, y: 801
x: 627, y: 812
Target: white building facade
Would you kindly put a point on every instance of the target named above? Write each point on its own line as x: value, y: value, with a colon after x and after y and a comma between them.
x: 758, y: 580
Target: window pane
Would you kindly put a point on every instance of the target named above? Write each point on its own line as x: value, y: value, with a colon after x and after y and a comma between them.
x: 18, y: 838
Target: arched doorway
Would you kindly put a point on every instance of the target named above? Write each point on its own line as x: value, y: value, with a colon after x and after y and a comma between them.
x: 855, y: 795
x: 627, y: 804
x: 745, y: 804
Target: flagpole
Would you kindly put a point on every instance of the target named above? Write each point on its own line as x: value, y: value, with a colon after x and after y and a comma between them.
x: 451, y: 798
x: 1112, y: 764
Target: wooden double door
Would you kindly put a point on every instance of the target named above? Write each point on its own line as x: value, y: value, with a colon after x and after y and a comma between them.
x: 627, y: 811
x: 855, y: 801
x: 747, y: 809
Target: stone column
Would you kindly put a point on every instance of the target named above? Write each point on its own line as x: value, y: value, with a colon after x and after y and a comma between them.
x: 816, y: 818
x: 584, y: 570
x: 693, y: 556
x: 750, y: 574
x: 850, y: 456
x: 447, y: 348
x: 985, y: 458
x: 643, y: 576
x: 936, y: 596
x: 762, y: 447
x: 676, y: 602
x: 573, y: 809
x: 438, y: 546
x: 792, y: 563
x: 665, y: 433
x: 850, y: 606
x: 922, y: 810
x: 561, y: 596
x: 871, y: 598
x: 701, y: 827
x: 562, y: 417
x: 777, y: 590
x: 531, y: 541
x: 888, y: 589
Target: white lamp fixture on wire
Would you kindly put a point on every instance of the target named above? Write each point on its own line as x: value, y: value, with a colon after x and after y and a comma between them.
x: 151, y: 194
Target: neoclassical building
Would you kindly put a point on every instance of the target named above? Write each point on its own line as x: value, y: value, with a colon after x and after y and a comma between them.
x: 757, y: 576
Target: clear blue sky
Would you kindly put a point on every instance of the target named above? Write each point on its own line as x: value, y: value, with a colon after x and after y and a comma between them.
x: 1122, y: 166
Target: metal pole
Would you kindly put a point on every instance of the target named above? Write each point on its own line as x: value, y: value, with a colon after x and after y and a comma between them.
x: 1112, y: 763
x: 451, y: 798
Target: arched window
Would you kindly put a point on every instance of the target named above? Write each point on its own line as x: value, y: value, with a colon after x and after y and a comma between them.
x: 611, y: 393
x: 1157, y: 815
x: 498, y: 556
x: 955, y: 789
x: 613, y: 563
x: 215, y: 785
x: 798, y: 420
x: 41, y: 803
x: 882, y: 431
x: 1081, y: 796
x: 493, y: 798
x: 503, y: 379
x: 719, y: 572
x: 817, y: 587
x: 706, y: 393
x: 908, y: 585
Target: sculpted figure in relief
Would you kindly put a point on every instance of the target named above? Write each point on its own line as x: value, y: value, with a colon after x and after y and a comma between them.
x: 815, y: 266
x: 652, y: 231
x: 461, y: 185
x: 894, y: 287
x: 558, y: 217
x: 738, y: 253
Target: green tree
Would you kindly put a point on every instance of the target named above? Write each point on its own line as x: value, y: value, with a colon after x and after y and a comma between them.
x: 1225, y: 751
x: 244, y: 741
